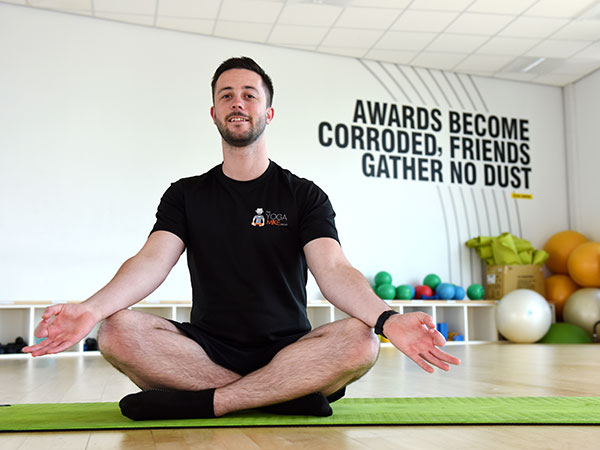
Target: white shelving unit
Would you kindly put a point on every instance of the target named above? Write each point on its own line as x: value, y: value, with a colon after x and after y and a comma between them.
x: 475, y: 320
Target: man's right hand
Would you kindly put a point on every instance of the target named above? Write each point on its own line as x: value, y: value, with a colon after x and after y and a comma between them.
x: 63, y: 326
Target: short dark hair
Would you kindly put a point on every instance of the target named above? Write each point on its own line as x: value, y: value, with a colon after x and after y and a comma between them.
x: 244, y: 62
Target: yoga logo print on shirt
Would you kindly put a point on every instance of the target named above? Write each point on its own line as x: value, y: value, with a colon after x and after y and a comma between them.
x: 263, y: 218
x: 259, y: 219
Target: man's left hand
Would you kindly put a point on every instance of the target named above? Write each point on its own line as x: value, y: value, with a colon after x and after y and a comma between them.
x: 415, y: 335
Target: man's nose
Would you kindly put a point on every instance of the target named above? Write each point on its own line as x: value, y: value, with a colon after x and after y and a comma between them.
x: 237, y: 103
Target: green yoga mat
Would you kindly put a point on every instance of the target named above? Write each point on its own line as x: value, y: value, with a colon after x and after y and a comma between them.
x: 348, y: 411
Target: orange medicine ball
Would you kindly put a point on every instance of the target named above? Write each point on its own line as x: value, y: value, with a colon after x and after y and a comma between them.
x: 559, y: 246
x: 558, y: 289
x: 584, y: 264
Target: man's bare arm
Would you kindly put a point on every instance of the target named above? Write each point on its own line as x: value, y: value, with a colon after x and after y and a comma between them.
x: 64, y: 325
x: 414, y: 334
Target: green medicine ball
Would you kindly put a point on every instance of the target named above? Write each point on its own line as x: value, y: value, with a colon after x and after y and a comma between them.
x: 475, y: 292
x: 386, y: 291
x: 405, y: 292
x: 383, y: 278
x: 432, y: 280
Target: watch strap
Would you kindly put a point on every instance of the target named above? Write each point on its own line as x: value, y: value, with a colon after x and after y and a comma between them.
x: 381, y: 321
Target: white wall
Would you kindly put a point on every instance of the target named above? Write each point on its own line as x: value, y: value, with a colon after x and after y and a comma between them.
x: 98, y: 118
x: 582, y: 101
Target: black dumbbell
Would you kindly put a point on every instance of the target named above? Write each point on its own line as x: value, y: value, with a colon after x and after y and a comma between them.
x: 90, y: 344
x: 15, y: 347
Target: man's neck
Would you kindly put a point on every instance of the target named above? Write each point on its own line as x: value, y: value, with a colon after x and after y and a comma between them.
x: 245, y: 163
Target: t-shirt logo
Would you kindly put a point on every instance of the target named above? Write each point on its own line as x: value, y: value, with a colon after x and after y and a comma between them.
x: 259, y: 219
x: 263, y: 218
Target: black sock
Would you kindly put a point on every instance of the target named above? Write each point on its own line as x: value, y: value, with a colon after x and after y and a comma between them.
x: 337, y: 395
x: 310, y: 405
x: 157, y: 405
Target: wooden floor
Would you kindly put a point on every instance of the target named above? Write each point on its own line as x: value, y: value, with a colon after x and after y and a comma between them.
x: 487, y: 370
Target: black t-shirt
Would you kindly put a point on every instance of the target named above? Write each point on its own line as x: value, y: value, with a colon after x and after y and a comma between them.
x: 244, y: 242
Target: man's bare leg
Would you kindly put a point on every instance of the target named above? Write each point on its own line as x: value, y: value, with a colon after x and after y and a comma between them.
x: 323, y: 361
x: 155, y: 354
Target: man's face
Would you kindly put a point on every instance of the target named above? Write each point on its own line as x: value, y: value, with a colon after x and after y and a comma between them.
x: 240, y: 107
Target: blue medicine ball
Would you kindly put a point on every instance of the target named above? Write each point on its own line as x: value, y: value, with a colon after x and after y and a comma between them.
x: 459, y: 293
x: 445, y: 291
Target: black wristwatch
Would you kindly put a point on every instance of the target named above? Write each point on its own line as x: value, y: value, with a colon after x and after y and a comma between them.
x: 381, y: 320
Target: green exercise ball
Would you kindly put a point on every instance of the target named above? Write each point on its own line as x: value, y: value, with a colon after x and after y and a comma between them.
x: 386, y: 291
x: 565, y: 333
x: 383, y: 278
x: 432, y: 280
x: 475, y: 291
x: 405, y: 292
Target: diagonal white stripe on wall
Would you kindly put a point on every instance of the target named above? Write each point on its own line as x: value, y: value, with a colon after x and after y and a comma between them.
x: 442, y: 208
x: 407, y: 81
x: 451, y: 89
x: 459, y: 82
x: 388, y: 72
x: 478, y: 97
x: 418, y: 77
x: 438, y: 89
x: 377, y: 77
x: 519, y: 229
x: 458, y: 240
x: 469, y: 213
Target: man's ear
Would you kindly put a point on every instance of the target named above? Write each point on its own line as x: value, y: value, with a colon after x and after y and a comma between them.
x: 212, y: 113
x: 270, y: 114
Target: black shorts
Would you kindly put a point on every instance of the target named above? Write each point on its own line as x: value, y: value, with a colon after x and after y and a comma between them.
x: 239, y: 360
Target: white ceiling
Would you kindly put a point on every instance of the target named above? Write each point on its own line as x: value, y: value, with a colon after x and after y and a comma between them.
x: 553, y: 42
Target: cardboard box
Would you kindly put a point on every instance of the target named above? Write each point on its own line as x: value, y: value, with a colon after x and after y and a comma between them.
x: 500, y: 280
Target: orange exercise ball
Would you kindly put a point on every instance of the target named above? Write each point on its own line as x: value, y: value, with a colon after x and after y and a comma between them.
x: 584, y: 264
x: 558, y: 289
x: 558, y: 248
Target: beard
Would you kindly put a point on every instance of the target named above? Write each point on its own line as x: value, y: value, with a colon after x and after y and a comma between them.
x: 241, y: 139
